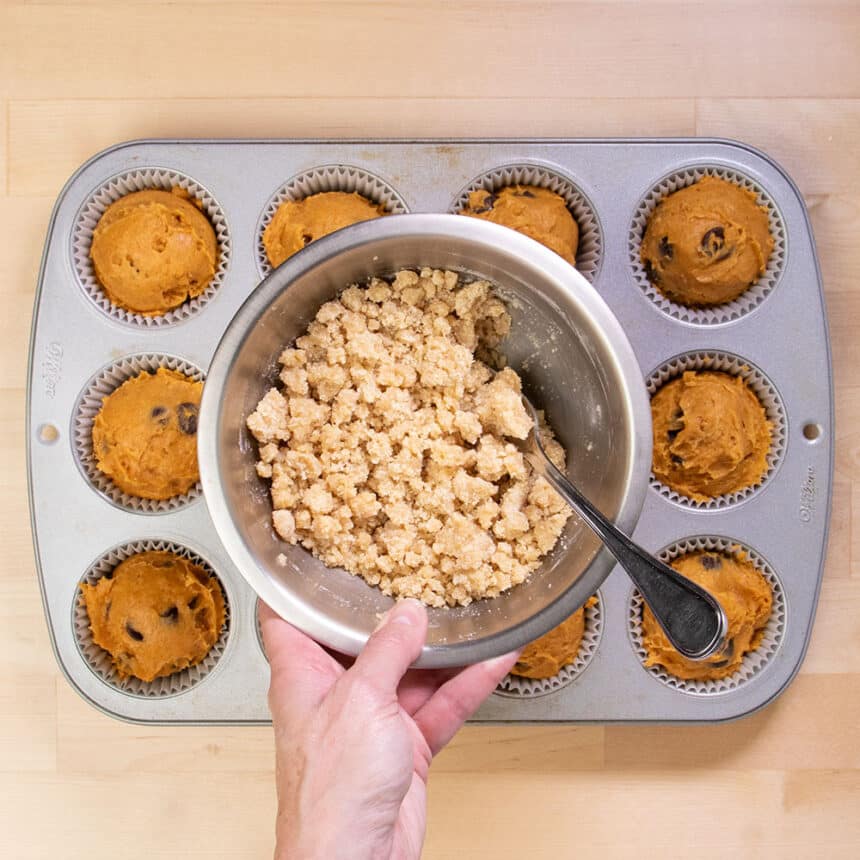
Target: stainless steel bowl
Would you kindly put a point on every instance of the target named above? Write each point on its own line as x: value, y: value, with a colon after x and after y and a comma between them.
x: 576, y: 363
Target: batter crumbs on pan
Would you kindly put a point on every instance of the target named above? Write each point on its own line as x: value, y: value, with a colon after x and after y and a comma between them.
x: 386, y: 446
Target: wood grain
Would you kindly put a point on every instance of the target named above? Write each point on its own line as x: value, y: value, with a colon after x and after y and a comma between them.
x: 812, y: 138
x: 460, y: 50
x: 75, y: 77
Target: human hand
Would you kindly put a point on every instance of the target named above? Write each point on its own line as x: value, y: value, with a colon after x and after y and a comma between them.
x: 354, y: 745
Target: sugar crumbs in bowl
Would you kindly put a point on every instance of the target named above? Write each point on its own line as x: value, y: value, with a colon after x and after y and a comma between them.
x: 387, y: 445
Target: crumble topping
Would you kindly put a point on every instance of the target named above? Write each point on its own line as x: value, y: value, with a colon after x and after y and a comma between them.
x: 386, y: 447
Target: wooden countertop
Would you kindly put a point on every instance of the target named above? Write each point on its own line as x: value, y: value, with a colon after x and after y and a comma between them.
x: 78, y: 76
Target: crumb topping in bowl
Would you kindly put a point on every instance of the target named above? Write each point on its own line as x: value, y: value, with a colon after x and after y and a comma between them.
x: 386, y: 446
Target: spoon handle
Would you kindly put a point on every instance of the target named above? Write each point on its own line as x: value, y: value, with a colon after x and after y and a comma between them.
x: 692, y: 619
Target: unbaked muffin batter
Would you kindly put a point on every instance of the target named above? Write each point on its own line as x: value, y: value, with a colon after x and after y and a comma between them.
x: 299, y: 222
x: 145, y: 435
x: 746, y: 598
x: 386, y: 447
x: 156, y: 614
x: 547, y: 656
x: 152, y: 250
x: 711, y: 435
x: 537, y: 212
x: 707, y: 243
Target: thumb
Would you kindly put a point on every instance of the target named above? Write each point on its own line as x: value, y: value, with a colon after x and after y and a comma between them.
x: 394, y: 645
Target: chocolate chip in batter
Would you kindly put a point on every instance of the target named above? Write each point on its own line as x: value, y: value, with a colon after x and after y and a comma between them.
x: 678, y: 461
x: 713, y: 241
x: 524, y: 194
x: 193, y: 602
x: 666, y: 248
x: 186, y: 415
x: 161, y: 415
x: 135, y: 634
x: 676, y: 426
x: 486, y: 204
x: 711, y: 562
x: 651, y: 272
x: 171, y: 615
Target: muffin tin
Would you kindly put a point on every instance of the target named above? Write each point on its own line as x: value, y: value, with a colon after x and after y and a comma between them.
x: 777, y: 338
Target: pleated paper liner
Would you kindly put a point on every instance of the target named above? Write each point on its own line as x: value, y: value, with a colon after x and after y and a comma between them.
x: 762, y: 387
x: 747, y: 301
x: 754, y: 662
x: 151, y: 178
x: 105, y: 382
x: 329, y: 177
x: 589, y: 252
x: 516, y: 687
x: 100, y: 661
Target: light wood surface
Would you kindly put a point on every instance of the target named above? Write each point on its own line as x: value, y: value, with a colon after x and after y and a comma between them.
x: 785, y: 76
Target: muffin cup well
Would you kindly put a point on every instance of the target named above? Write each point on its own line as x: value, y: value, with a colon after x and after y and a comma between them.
x: 752, y: 297
x: 89, y: 403
x: 754, y: 662
x: 761, y: 386
x: 517, y: 687
x: 589, y: 252
x: 152, y: 178
x: 100, y: 660
x: 329, y: 177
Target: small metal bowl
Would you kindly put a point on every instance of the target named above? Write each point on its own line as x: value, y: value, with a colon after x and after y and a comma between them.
x: 576, y: 363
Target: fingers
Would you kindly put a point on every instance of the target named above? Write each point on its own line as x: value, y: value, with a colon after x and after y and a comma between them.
x: 456, y: 700
x: 418, y: 685
x: 301, y: 671
x: 394, y: 646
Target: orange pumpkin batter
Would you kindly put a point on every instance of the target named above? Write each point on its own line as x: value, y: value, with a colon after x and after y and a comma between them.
x: 537, y: 212
x: 145, y: 435
x: 746, y: 598
x: 711, y: 435
x: 152, y: 250
x: 157, y: 614
x: 296, y: 223
x: 547, y: 656
x: 707, y: 243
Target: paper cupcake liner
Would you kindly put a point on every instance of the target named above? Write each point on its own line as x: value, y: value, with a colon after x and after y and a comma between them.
x: 329, y: 177
x: 754, y: 662
x: 517, y: 687
x: 100, y: 661
x: 105, y: 382
x: 153, y: 178
x: 589, y: 252
x: 748, y: 300
x: 763, y: 388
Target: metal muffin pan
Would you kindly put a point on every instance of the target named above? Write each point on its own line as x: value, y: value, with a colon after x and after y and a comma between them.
x: 783, y: 335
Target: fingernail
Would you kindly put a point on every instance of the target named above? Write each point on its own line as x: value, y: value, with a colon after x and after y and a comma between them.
x: 403, y: 612
x: 402, y: 616
x: 408, y: 608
